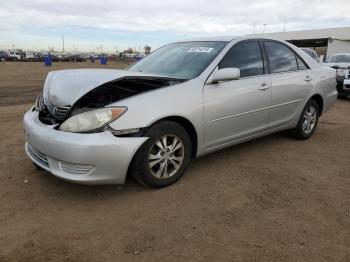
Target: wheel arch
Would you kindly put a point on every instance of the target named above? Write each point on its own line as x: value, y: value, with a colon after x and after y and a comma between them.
x: 182, y: 121
x: 189, y: 127
x: 319, y: 100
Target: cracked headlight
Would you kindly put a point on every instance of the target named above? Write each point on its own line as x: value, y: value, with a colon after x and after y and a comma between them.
x: 92, y: 120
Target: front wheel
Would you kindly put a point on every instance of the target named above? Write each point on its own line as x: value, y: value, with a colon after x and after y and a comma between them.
x: 307, y: 122
x: 164, y: 157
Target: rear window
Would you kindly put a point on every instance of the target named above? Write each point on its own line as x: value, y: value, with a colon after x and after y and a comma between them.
x: 281, y: 58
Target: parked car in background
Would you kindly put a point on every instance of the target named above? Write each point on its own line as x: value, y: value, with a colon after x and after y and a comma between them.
x: 15, y: 55
x: 74, y: 58
x: 341, y: 62
x: 184, y: 100
x: 112, y: 57
x: 312, y: 53
x: 31, y: 56
x: 3, y: 56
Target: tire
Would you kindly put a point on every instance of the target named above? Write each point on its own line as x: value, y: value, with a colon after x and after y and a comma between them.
x: 156, y: 167
x: 307, y: 122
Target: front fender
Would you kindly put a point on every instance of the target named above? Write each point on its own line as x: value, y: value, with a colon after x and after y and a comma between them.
x: 183, y: 100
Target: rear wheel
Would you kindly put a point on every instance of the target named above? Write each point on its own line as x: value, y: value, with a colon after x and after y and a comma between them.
x: 164, y: 157
x: 307, y: 122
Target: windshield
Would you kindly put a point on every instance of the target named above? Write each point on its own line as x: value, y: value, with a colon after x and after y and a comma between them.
x: 180, y: 60
x: 344, y: 58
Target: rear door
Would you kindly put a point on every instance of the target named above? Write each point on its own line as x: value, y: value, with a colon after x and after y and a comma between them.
x: 292, y: 80
x: 238, y: 108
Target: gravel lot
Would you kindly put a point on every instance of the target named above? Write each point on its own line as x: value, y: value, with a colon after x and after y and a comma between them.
x: 271, y: 199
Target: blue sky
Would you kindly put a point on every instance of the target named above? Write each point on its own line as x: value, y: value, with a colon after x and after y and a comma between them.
x: 86, y: 24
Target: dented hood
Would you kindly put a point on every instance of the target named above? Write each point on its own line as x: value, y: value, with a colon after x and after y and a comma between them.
x: 65, y: 87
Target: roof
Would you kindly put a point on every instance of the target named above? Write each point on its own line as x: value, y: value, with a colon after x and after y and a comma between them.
x: 342, y: 33
x: 341, y: 54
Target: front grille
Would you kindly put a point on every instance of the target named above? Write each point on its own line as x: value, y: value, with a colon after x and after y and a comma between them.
x: 40, y: 157
x: 57, y: 112
x: 75, y: 169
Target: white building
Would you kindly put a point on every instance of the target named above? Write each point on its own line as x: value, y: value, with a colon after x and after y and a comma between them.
x: 325, y: 41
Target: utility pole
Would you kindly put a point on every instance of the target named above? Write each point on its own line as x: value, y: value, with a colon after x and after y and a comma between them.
x: 254, y: 27
x: 284, y: 26
x: 264, y: 28
x: 62, y: 37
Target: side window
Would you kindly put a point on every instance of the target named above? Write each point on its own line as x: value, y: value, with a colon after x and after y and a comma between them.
x: 301, y: 64
x: 281, y: 58
x: 246, y: 56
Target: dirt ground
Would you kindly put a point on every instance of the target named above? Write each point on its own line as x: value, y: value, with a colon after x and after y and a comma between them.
x: 271, y: 199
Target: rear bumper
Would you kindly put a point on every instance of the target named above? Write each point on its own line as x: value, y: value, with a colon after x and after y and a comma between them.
x: 98, y: 158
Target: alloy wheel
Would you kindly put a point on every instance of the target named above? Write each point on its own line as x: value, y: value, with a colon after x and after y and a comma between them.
x: 166, y: 156
x: 309, y: 119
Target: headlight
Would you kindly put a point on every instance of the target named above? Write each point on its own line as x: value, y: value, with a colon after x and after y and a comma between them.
x: 92, y: 120
x: 340, y: 72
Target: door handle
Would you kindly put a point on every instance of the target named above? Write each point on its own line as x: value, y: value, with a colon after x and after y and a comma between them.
x: 308, y: 79
x: 264, y: 87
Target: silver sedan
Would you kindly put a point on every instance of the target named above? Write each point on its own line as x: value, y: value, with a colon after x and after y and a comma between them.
x: 184, y: 100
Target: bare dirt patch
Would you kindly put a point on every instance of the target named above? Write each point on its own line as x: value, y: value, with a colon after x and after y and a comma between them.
x: 272, y: 199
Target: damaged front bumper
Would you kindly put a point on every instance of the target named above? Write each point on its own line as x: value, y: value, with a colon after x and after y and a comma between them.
x: 97, y: 158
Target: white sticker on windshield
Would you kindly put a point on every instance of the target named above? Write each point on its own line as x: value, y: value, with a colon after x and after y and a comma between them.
x: 199, y: 50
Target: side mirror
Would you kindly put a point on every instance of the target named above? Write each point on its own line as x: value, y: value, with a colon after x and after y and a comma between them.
x: 225, y: 74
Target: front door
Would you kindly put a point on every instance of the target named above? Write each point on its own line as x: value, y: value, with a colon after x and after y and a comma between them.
x: 239, y: 108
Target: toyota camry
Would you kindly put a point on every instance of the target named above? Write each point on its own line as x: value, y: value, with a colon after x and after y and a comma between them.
x: 184, y: 100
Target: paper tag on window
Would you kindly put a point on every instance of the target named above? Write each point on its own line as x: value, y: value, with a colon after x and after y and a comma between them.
x: 199, y: 50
